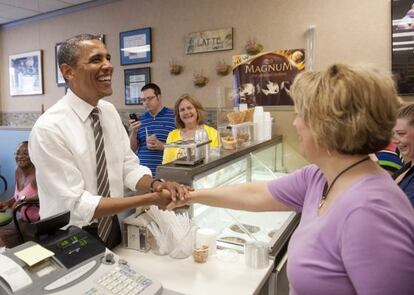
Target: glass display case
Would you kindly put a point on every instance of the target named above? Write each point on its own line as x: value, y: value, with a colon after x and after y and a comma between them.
x: 259, y: 161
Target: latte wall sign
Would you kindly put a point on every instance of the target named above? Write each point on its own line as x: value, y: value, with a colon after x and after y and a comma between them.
x: 206, y: 41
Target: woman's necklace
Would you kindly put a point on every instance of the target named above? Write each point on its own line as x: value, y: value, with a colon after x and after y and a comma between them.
x: 327, y: 188
x: 187, y: 134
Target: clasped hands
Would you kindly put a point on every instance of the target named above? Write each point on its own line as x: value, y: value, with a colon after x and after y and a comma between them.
x: 170, y: 194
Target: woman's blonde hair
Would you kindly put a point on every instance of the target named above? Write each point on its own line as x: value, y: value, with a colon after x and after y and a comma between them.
x: 407, y: 112
x: 197, y: 105
x: 348, y: 109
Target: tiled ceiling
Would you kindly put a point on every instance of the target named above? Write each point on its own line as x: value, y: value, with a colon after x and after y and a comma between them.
x: 15, y: 10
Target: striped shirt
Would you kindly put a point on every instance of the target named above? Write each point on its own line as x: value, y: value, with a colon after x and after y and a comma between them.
x: 160, y: 125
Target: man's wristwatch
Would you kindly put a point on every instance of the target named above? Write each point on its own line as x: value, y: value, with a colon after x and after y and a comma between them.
x: 154, y: 181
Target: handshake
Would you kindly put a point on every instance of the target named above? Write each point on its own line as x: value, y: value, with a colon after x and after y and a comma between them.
x: 169, y: 195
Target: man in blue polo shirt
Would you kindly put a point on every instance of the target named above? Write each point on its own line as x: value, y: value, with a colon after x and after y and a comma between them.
x: 149, y: 134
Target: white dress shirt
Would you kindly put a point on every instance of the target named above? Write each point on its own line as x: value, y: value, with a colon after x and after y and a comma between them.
x: 62, y: 148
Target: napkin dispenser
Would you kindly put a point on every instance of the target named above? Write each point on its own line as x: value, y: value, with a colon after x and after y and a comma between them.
x: 136, y: 233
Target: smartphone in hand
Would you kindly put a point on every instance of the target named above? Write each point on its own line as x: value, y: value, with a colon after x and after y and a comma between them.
x: 133, y: 116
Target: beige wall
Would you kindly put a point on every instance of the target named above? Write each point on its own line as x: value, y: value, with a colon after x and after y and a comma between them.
x: 351, y: 31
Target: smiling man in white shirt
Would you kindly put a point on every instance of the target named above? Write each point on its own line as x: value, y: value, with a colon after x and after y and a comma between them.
x: 62, y: 146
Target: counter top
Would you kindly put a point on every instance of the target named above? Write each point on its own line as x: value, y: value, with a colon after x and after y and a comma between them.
x: 227, y: 155
x: 187, y: 277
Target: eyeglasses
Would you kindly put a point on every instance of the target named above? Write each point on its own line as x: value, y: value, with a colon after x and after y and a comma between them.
x: 149, y: 98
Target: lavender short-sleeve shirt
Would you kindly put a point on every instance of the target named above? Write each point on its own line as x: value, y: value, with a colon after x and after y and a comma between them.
x: 363, y: 243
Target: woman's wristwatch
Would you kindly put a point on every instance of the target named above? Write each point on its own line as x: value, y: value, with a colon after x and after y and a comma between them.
x: 154, y: 181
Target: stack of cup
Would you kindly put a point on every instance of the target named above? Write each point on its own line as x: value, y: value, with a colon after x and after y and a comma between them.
x: 206, y: 237
x: 242, y: 107
x: 256, y: 254
x: 258, y: 120
x: 267, y: 126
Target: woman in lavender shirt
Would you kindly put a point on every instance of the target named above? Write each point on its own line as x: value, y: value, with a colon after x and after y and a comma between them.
x: 356, y: 234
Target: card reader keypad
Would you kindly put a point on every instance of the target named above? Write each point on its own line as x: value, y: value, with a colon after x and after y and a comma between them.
x: 124, y: 280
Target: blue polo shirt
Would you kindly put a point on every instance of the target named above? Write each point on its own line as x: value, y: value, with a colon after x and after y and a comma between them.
x: 160, y: 125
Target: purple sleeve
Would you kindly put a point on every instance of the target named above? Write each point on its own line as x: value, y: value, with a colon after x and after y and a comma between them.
x: 292, y: 188
x: 377, y: 252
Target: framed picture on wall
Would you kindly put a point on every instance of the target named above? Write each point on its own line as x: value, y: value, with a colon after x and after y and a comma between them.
x: 135, y: 79
x: 60, y: 81
x: 25, y: 73
x: 135, y: 46
x: 402, y: 14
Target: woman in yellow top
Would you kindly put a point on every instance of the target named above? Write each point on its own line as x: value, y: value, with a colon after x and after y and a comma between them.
x: 189, y: 116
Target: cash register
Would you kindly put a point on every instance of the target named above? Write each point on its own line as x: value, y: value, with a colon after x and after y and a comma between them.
x: 69, y: 262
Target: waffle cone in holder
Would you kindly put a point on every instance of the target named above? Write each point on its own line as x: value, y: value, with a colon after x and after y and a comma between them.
x: 236, y: 117
x: 249, y: 115
x: 240, y: 117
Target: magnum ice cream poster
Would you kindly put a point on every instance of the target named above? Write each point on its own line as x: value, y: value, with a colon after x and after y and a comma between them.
x: 264, y: 79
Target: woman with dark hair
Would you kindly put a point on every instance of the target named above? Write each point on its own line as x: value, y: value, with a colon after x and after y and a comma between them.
x: 189, y: 117
x: 26, y: 189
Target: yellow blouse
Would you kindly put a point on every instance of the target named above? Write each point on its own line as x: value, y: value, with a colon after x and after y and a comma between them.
x: 170, y: 154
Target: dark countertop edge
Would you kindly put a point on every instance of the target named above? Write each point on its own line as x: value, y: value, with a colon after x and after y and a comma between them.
x: 227, y: 156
